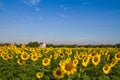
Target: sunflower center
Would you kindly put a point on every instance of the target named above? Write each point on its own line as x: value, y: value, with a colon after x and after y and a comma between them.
x: 93, y: 54
x: 46, y: 61
x: 10, y: 55
x: 39, y: 74
x: 58, y: 72
x: 20, y: 61
x: 25, y: 56
x: 75, y: 62
x: 113, y: 61
x: 96, y: 59
x: 34, y: 57
x: 80, y: 56
x: 86, y: 58
x: 61, y: 54
x: 5, y: 56
x: 118, y: 56
x: 106, y: 68
x: 68, y: 67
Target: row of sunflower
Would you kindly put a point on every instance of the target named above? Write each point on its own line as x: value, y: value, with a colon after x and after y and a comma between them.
x: 25, y: 63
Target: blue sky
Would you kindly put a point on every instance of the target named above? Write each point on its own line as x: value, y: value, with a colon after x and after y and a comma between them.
x: 60, y: 21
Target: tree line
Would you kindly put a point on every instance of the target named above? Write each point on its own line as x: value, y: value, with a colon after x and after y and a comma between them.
x: 36, y: 44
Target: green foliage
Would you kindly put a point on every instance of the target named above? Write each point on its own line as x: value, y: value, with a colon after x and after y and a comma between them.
x: 11, y: 70
x: 33, y: 44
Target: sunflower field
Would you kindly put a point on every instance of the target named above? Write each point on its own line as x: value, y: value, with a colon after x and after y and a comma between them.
x: 26, y: 63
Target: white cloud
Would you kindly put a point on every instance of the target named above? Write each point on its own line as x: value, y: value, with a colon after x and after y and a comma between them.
x: 63, y: 7
x: 31, y: 2
x: 34, y: 2
x: 64, y: 16
x: 37, y: 9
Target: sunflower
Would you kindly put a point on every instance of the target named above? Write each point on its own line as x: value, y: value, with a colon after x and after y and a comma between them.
x: 31, y: 49
x: 58, y: 73
x: 56, y: 55
x: 20, y: 62
x: 23, y: 46
x: 9, y: 56
x: 96, y: 59
x: 106, y: 69
x: 85, y: 61
x: 61, y: 63
x: 45, y: 50
x: 68, y: 67
x: 39, y: 75
x: 80, y: 56
x: 76, y: 55
x: 94, y: 54
x: 39, y: 55
x: 61, y: 55
x: 59, y: 50
x: 34, y: 57
x: 114, y: 61
x: 51, y: 56
x: 75, y: 62
x: 108, y: 57
x: 4, y: 56
x: 46, y: 61
x: 24, y: 56
x: 16, y: 56
x: 117, y: 56
x: 68, y: 51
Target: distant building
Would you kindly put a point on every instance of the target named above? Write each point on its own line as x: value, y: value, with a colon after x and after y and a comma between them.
x: 42, y: 45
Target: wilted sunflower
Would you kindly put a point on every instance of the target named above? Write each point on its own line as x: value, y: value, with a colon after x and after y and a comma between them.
x: 68, y: 67
x: 58, y: 73
x: 39, y: 75
x: 117, y: 56
x: 96, y: 59
x: 114, y: 61
x: 46, y: 61
x: 85, y: 61
x: 106, y: 69
x: 20, y: 62
x: 24, y: 56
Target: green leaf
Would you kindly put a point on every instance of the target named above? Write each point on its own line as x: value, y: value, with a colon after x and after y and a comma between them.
x: 85, y: 77
x: 115, y: 78
x: 103, y: 77
x: 100, y: 78
x: 47, y: 78
x: 15, y: 78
